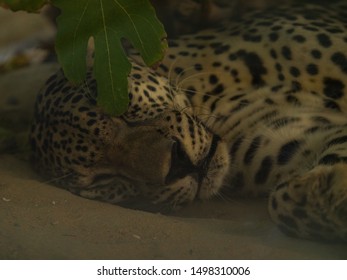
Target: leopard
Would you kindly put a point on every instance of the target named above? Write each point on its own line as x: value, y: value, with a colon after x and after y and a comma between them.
x: 254, y: 107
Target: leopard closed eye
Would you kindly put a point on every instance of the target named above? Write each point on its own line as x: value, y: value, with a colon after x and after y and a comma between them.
x: 256, y: 106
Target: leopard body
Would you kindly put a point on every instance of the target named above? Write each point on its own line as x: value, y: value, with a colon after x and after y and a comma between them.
x: 257, y: 106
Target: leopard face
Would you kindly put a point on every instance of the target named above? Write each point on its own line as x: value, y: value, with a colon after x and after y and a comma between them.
x: 156, y: 150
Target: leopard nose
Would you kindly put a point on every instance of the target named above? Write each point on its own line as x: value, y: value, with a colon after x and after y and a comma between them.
x: 181, y: 164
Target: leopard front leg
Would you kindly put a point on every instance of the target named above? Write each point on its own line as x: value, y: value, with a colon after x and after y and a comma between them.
x: 313, y: 205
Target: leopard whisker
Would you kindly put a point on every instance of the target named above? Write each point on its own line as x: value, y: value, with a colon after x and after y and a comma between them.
x: 56, y: 179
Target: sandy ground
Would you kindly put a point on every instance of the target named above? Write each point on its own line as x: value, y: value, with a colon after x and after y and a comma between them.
x: 39, y: 221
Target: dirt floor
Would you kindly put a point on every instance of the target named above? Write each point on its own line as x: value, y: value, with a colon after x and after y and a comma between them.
x: 40, y: 221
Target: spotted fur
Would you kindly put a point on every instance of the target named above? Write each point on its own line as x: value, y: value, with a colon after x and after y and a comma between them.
x: 254, y: 107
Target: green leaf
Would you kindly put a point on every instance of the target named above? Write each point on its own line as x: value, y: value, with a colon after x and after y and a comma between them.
x: 26, y: 5
x: 107, y: 21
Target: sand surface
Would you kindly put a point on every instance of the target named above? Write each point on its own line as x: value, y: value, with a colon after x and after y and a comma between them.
x: 40, y: 221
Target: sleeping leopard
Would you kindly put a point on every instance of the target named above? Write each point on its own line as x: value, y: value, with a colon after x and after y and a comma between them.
x: 254, y: 107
